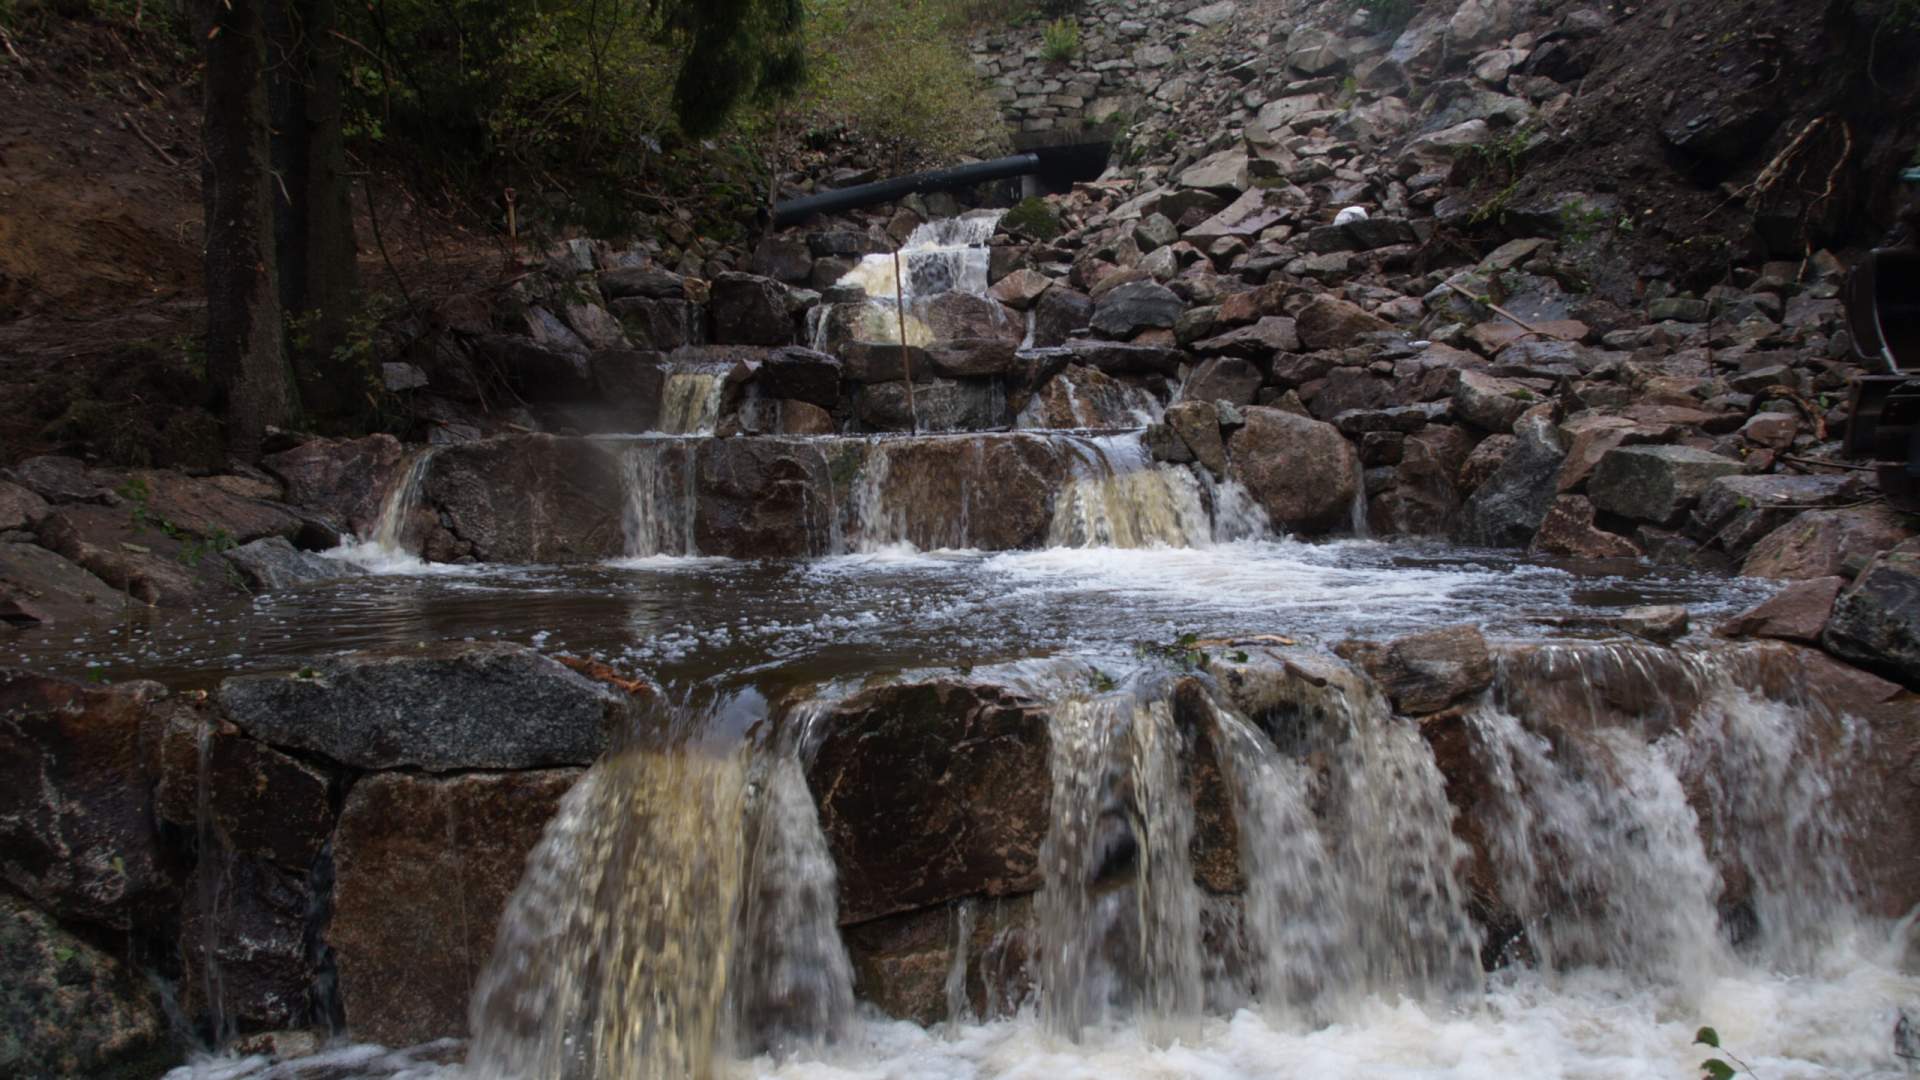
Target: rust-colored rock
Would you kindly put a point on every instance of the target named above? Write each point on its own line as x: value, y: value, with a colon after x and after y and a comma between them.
x: 77, y: 832
x: 345, y: 479
x: 424, y: 869
x: 1302, y: 471
x: 932, y: 791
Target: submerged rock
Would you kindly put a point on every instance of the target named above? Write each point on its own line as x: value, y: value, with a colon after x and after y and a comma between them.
x: 274, y: 563
x: 1425, y: 673
x: 440, y: 708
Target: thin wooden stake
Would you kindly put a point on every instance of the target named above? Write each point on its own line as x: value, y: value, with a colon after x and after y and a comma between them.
x: 906, y: 358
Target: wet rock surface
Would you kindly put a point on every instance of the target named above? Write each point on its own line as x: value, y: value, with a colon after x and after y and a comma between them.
x: 424, y: 866
x: 452, y: 706
x: 932, y: 791
x: 70, y: 1009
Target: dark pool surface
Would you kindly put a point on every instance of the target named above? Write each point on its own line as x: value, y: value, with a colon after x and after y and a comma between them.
x: 689, y: 621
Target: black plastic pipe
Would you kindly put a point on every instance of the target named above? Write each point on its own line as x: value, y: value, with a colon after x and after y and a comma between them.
x: 794, y: 211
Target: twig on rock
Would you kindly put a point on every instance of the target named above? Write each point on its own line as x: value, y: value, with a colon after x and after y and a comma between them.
x: 1498, y: 310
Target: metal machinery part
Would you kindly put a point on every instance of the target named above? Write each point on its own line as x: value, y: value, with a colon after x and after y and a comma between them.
x: 1883, y: 316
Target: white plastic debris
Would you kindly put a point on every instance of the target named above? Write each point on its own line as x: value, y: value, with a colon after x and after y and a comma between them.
x: 1350, y: 214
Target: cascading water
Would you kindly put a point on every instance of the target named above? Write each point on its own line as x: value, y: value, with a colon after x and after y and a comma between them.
x: 1118, y: 919
x: 1117, y: 497
x: 680, y: 910
x: 690, y: 400
x: 385, y: 545
x: 659, y: 515
x: 1353, y: 885
x: 944, y: 256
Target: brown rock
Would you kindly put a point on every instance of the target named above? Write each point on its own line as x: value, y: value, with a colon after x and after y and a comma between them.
x: 344, y: 479
x: 1079, y: 397
x: 1214, y: 849
x: 901, y: 962
x: 1021, y: 289
x: 77, y: 832
x: 1328, y: 322
x: 1197, y: 423
x: 1425, y: 673
x: 1426, y: 492
x: 38, y: 586
x: 932, y: 791
x: 207, y: 507
x: 1303, y: 472
x: 1796, y: 613
x: 1223, y: 378
x: 19, y: 508
x: 804, y: 418
x: 1589, y: 436
x: 140, y: 558
x: 73, y: 1009
x: 261, y: 803
x: 531, y: 498
x: 1569, y: 529
x: 1484, y: 461
x: 424, y: 868
x: 1820, y: 543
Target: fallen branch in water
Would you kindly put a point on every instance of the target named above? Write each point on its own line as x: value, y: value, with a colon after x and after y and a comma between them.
x: 594, y: 669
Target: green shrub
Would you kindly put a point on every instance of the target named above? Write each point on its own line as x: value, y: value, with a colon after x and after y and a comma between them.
x: 1060, y: 40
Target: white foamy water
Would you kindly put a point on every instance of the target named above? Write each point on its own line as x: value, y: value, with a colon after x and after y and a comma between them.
x: 1834, y: 1023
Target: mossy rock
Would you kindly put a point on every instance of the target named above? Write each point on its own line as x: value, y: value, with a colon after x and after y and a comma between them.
x: 70, y: 1009
x: 1033, y: 218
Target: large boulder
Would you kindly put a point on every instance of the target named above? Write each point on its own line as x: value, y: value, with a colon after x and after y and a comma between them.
x: 1823, y: 543
x: 1736, y: 512
x: 1876, y: 622
x: 1302, y: 471
x: 343, y: 479
x: 747, y: 309
x: 932, y: 791
x: 994, y: 493
x: 1798, y: 612
x: 531, y: 498
x: 19, y: 507
x: 803, y: 375
x: 1223, y: 378
x: 441, y: 708
x: 1569, y: 530
x: 1508, y: 508
x: 70, y: 1009
x: 424, y: 866
x: 1489, y: 403
x: 958, y: 316
x: 1081, y: 397
x: 1655, y: 483
x: 40, y: 587
x: 762, y: 498
x: 140, y: 557
x: 77, y: 833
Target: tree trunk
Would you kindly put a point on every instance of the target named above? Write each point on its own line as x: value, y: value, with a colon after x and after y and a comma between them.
x: 313, y: 220
x: 246, y: 360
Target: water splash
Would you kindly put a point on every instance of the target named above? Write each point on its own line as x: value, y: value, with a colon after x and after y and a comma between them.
x: 384, y: 549
x: 944, y: 256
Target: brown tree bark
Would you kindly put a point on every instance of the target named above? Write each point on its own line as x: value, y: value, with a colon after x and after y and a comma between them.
x: 246, y: 359
x: 313, y: 219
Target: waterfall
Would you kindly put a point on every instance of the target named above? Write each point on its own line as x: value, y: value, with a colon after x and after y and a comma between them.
x: 1352, y: 871
x: 1118, y: 918
x: 1117, y: 497
x: 942, y: 256
x: 690, y: 400
x: 679, y: 910
x: 658, y: 516
x: 1653, y: 811
x: 384, y: 547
